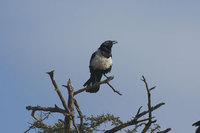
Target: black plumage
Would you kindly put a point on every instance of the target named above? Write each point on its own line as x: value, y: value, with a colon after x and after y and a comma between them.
x: 197, y: 124
x: 100, y: 64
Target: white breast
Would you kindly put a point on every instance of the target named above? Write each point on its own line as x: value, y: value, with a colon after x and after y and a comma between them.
x: 100, y: 62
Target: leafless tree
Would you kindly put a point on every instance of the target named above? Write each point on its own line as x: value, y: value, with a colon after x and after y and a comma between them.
x: 143, y: 119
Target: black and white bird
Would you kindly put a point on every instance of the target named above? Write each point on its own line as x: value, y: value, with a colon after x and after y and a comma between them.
x: 100, y: 64
x: 197, y: 124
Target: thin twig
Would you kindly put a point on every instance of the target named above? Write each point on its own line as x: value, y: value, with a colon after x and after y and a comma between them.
x: 116, y: 91
x: 152, y: 109
x: 139, y: 110
x: 31, y: 127
x: 165, y: 131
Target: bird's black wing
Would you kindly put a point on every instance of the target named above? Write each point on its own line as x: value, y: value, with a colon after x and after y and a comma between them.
x: 93, y: 55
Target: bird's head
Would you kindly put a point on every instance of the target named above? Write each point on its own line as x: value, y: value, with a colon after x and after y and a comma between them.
x: 107, y: 44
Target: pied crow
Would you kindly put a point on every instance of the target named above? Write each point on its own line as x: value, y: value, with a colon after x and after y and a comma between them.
x: 100, y: 64
x: 197, y: 124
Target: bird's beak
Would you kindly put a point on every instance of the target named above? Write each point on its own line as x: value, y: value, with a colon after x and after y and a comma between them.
x: 114, y: 42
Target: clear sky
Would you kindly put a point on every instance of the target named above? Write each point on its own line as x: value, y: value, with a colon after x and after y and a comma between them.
x: 159, y: 39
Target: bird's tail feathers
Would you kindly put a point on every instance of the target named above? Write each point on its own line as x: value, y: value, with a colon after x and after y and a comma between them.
x: 92, y: 81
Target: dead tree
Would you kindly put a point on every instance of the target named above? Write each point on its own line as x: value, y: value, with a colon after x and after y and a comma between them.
x: 83, y: 127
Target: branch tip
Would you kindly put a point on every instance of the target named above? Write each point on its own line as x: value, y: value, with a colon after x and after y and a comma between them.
x: 64, y: 86
x: 143, y: 78
x: 165, y: 131
x: 69, y: 82
x: 139, y: 110
x: 152, y: 88
x: 28, y: 107
x: 50, y: 73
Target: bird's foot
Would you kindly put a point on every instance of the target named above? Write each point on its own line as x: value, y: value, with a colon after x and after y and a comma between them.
x: 105, y: 75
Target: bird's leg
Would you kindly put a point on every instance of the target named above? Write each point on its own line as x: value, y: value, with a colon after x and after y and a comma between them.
x: 105, y: 75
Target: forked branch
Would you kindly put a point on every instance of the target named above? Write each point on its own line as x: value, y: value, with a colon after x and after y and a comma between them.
x: 106, y: 81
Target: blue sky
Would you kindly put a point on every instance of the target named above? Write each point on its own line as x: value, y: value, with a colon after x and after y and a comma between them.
x: 159, y: 39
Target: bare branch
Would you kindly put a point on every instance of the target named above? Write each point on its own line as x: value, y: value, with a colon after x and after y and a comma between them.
x: 80, y: 114
x: 135, y: 120
x: 165, y: 131
x: 144, y: 120
x: 152, y: 109
x: 116, y: 91
x: 33, y: 115
x: 70, y: 89
x: 51, y: 74
x: 106, y: 81
x: 75, y: 126
x: 89, y: 87
x: 147, y: 126
x: 31, y: 127
x: 50, y: 109
x: 139, y: 110
x: 70, y: 96
x: 152, y: 88
x: 138, y: 115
